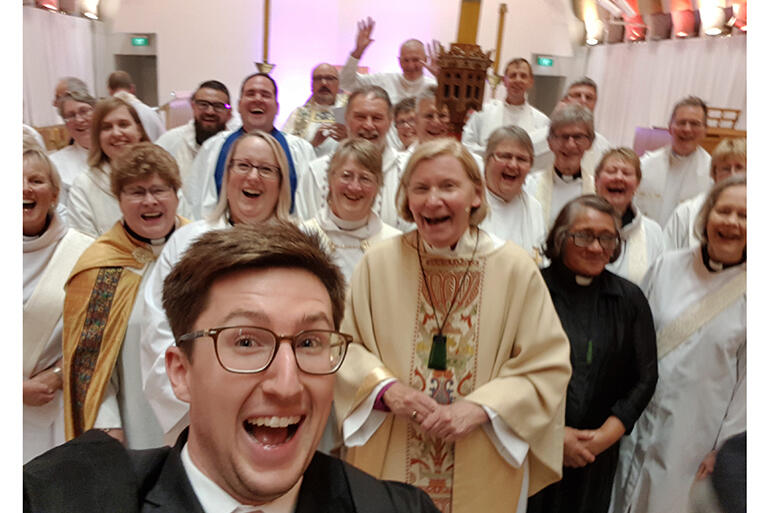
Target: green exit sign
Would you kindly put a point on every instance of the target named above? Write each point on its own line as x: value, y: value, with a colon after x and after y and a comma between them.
x: 140, y: 41
x: 545, y: 61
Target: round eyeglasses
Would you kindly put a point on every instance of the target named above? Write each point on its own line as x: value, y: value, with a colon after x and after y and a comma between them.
x: 250, y: 349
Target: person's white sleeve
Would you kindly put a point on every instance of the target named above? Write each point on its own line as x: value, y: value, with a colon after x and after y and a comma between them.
x: 734, y: 421
x: 359, y: 427
x: 350, y: 78
x: 676, y: 235
x: 108, y: 416
x: 306, y: 203
x: 471, y: 134
x: 209, y: 197
x: 302, y: 153
x: 201, y: 170
x: 156, y: 338
x: 183, y: 208
x: 512, y: 448
x: 80, y: 215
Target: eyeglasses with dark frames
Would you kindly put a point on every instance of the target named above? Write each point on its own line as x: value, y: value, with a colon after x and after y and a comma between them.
x: 607, y: 241
x: 251, y: 349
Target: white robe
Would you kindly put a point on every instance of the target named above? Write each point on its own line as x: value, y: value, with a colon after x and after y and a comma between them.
x: 200, y: 189
x: 44, y: 425
x: 91, y: 207
x: 180, y: 143
x: 151, y: 121
x: 553, y: 192
x: 156, y: 334
x: 313, y: 189
x: 679, y: 232
x: 70, y: 161
x: 348, y: 241
x: 497, y: 113
x: 395, y: 84
x: 519, y: 220
x: 642, y: 244
x: 700, y: 398
x: 669, y: 179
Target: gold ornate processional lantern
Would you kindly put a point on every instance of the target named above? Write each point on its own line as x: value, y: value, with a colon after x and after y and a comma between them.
x: 461, y: 81
x: 463, y: 69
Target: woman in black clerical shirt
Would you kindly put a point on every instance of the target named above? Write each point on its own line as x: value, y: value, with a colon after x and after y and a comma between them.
x: 613, y: 353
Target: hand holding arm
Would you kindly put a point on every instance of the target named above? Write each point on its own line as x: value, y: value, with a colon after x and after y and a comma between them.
x: 604, y: 437
x: 363, y: 37
x: 37, y: 392
x: 576, y: 454
x: 454, y: 421
x: 404, y: 400
x: 706, y: 468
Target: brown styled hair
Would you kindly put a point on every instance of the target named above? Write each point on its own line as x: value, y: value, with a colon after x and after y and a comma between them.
x: 103, y: 107
x: 430, y: 150
x: 363, y: 151
x: 626, y: 155
x: 143, y: 160
x: 218, y: 253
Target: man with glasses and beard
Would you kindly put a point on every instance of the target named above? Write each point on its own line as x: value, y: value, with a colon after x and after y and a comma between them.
x: 211, y: 113
x: 315, y: 121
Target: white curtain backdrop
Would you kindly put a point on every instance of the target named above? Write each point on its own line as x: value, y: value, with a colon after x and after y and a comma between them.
x: 640, y: 82
x: 55, y: 46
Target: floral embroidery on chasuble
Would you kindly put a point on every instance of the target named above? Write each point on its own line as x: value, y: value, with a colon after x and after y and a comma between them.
x: 430, y: 462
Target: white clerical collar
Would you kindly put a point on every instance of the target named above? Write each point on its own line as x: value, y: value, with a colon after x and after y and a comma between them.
x: 515, y: 107
x: 583, y: 281
x: 346, y: 225
x: 214, y: 499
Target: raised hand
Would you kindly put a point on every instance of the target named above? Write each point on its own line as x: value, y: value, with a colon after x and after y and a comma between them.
x: 431, y: 64
x: 363, y: 37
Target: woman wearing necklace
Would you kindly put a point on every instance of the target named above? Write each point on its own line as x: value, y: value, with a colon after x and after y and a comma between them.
x: 50, y: 251
x: 457, y: 380
x: 347, y: 225
x: 698, y: 301
x: 255, y: 189
x: 103, y: 307
x: 612, y: 342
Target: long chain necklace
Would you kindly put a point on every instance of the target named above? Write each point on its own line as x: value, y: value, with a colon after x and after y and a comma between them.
x: 437, y: 357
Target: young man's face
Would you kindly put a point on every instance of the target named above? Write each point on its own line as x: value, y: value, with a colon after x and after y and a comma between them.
x: 229, y: 439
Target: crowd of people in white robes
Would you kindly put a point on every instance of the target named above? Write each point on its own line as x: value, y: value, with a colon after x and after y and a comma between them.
x: 107, y: 216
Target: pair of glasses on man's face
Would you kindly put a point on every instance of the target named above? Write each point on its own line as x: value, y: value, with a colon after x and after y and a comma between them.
x: 607, y: 241
x: 218, y: 107
x: 251, y: 349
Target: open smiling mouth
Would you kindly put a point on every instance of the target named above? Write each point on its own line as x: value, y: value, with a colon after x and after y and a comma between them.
x: 510, y: 176
x: 435, y: 220
x: 29, y: 204
x: 152, y: 216
x: 273, y: 431
x: 257, y: 111
x: 616, y: 190
x: 251, y: 194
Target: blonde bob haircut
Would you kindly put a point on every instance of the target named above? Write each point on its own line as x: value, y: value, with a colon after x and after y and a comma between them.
x: 436, y: 148
x: 96, y: 155
x: 363, y: 152
x: 284, y: 193
x: 725, y: 149
x: 33, y: 154
x: 144, y: 160
x: 625, y: 154
x: 701, y: 220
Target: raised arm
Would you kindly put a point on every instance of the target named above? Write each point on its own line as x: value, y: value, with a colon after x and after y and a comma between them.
x: 350, y: 79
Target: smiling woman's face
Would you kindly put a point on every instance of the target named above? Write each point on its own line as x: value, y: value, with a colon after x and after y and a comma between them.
x: 251, y: 197
x: 352, y: 189
x: 118, y: 130
x: 38, y: 195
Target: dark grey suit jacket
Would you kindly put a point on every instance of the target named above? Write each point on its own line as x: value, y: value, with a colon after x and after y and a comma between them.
x: 95, y: 473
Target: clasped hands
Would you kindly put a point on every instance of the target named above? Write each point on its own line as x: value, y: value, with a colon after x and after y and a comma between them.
x: 449, y: 422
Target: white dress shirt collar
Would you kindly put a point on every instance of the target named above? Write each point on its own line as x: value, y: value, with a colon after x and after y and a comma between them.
x: 214, y: 499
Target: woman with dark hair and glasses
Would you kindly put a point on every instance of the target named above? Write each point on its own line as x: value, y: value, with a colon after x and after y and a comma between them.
x: 613, y: 356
